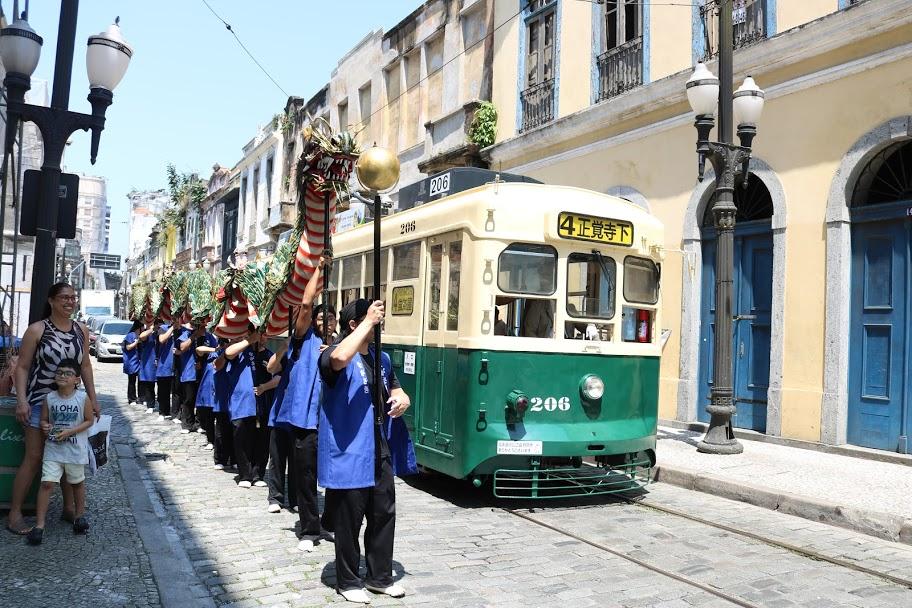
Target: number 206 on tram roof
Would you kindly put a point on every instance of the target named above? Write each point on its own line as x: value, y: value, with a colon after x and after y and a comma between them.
x: 597, y: 229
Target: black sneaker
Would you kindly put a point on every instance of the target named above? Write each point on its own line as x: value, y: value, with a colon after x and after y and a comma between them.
x: 35, y: 536
x: 80, y: 526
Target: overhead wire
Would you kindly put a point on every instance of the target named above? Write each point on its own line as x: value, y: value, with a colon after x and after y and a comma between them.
x: 246, y: 50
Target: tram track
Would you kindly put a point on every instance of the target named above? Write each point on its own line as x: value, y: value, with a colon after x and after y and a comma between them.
x: 737, y: 601
x: 635, y: 560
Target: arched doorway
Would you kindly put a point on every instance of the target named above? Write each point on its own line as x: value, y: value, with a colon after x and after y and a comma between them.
x: 880, y: 339
x: 751, y: 306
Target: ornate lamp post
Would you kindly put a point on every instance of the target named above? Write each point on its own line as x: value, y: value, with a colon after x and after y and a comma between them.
x: 378, y: 171
x: 107, y: 58
x: 730, y: 162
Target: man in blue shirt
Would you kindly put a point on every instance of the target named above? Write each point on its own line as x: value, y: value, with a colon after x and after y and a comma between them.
x: 186, y: 363
x: 164, y: 372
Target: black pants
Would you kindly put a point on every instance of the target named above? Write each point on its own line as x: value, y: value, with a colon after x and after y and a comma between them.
x: 164, y: 395
x: 264, y: 406
x: 304, y: 465
x: 349, y: 508
x: 281, y: 458
x: 147, y: 393
x: 245, y: 447
x: 188, y: 406
x: 132, y: 379
x: 207, y: 422
x: 223, y: 446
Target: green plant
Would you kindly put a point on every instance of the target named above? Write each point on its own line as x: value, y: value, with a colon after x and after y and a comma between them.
x: 283, y: 122
x: 483, y: 130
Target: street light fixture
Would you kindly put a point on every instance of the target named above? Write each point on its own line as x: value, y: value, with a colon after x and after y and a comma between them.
x: 731, y: 164
x: 378, y: 171
x: 107, y: 58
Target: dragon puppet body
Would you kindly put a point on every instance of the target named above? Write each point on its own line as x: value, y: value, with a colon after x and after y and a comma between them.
x: 264, y: 292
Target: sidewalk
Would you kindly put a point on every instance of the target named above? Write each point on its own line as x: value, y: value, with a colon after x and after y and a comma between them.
x: 859, y: 494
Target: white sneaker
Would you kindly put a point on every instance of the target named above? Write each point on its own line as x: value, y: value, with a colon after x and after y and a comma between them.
x: 273, y: 508
x: 176, y: 421
x: 393, y: 590
x: 201, y: 431
x: 359, y: 596
x: 208, y: 446
x: 150, y: 410
x: 259, y: 483
x: 244, y: 484
x: 133, y: 403
x: 185, y: 431
x: 219, y: 467
x: 308, y: 545
x: 161, y: 418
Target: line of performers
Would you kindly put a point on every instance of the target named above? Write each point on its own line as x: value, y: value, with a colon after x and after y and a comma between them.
x: 291, y: 419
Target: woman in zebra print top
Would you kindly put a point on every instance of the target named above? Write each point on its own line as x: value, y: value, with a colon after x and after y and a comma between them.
x: 44, y: 345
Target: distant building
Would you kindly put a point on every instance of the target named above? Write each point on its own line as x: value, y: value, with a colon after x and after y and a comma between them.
x: 144, y: 210
x: 93, y: 217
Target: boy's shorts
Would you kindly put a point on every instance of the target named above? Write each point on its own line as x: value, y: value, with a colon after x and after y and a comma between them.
x: 53, y: 471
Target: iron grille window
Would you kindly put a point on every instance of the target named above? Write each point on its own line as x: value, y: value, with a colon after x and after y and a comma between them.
x: 748, y: 23
x: 538, y: 96
x: 620, y: 64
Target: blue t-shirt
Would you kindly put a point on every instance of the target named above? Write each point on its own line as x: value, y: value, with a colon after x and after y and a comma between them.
x: 165, y: 354
x: 187, y: 359
x: 300, y: 389
x: 130, y: 357
x: 242, y: 401
x: 147, y: 357
x: 205, y: 394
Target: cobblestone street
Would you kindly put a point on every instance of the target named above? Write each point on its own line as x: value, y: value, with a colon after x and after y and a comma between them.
x: 161, y: 510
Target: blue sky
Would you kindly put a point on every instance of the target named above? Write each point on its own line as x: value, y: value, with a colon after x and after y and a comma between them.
x: 191, y: 96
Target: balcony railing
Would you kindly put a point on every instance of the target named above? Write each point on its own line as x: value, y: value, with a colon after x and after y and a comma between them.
x: 537, y: 105
x: 281, y: 216
x: 748, y: 21
x: 620, y: 69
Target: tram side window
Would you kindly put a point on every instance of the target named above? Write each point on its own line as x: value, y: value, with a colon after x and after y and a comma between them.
x: 591, y: 286
x: 351, y: 278
x: 455, y: 255
x: 333, y: 286
x: 436, y: 270
x: 528, y: 269
x: 406, y: 261
x: 369, y: 274
x: 641, y: 280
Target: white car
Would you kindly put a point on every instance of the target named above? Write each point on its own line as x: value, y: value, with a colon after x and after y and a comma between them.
x: 109, y: 343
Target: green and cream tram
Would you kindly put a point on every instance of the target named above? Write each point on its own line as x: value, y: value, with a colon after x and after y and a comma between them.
x: 523, y: 319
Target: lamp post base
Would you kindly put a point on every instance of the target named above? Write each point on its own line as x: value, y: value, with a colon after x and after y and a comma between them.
x: 720, y: 439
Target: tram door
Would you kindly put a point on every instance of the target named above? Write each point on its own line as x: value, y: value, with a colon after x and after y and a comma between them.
x: 751, y: 308
x: 879, y: 357
x: 440, y: 379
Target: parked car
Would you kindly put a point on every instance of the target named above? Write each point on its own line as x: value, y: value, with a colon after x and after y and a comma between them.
x: 110, y: 337
x: 93, y: 324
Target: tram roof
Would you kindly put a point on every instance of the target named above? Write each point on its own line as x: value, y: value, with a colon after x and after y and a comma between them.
x: 508, y: 212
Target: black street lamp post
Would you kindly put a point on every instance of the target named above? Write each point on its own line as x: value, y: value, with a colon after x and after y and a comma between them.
x: 107, y: 58
x: 730, y: 162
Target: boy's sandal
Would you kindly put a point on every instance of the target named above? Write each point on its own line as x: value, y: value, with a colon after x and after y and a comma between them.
x: 21, y: 530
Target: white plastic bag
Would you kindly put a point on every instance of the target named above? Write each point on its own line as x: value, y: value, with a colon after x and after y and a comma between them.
x: 99, y: 442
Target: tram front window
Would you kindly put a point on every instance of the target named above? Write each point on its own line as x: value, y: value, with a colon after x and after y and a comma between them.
x: 528, y: 269
x: 591, y: 286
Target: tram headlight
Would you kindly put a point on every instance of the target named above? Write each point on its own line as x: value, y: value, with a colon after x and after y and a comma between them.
x: 592, y: 387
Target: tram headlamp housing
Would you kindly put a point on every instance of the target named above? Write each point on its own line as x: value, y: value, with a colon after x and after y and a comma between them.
x: 592, y: 387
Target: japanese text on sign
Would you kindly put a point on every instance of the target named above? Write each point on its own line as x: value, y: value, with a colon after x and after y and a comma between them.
x: 598, y: 229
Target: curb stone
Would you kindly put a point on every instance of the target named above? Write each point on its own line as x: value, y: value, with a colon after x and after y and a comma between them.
x: 873, y: 523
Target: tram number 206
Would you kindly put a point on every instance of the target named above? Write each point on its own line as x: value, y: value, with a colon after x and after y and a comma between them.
x: 549, y: 404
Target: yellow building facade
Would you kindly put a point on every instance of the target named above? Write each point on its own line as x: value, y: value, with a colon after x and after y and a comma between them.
x: 597, y: 100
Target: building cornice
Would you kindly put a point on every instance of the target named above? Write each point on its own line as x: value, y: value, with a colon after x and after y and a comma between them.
x: 663, y: 103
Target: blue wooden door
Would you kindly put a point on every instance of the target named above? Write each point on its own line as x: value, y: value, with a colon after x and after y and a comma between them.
x: 879, y: 340
x: 751, y: 306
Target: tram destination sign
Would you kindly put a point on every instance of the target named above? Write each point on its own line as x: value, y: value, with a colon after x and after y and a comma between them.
x: 596, y: 229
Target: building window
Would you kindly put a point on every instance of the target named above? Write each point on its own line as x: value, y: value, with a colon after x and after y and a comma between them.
x: 414, y: 124
x: 538, y: 96
x: 749, y: 21
x: 473, y: 33
x: 256, y: 187
x: 269, y: 168
x: 364, y: 103
x: 343, y: 116
x: 620, y: 64
x: 393, y: 87
x: 433, y: 55
x: 243, y: 197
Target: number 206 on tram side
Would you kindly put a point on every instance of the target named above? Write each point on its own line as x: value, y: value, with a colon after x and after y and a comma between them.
x: 523, y: 319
